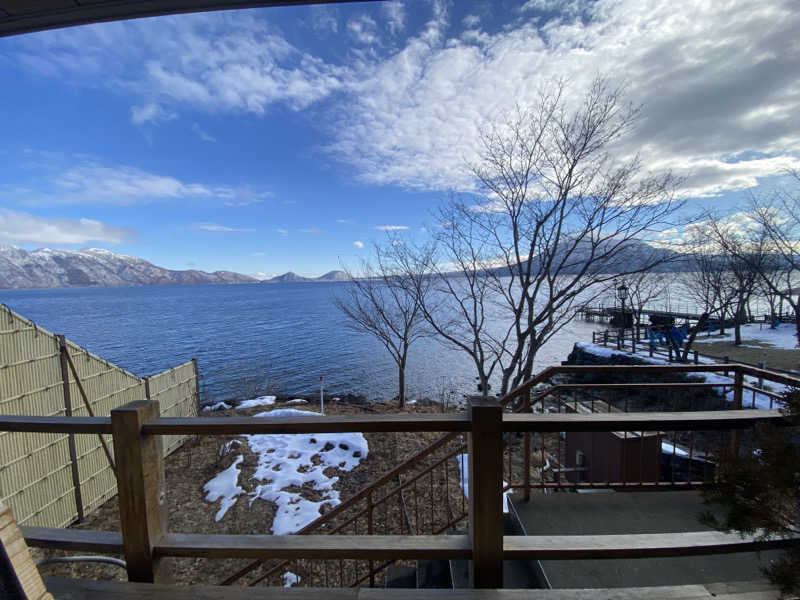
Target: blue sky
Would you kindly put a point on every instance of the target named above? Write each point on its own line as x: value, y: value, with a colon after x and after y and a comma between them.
x: 274, y: 139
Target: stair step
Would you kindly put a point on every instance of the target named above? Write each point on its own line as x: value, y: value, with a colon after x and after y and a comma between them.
x: 401, y: 576
x: 434, y: 574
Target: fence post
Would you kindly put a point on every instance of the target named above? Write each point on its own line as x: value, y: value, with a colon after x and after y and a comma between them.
x: 696, y: 357
x: 593, y: 336
x: 196, y: 385
x: 670, y: 353
x: 140, y: 486
x: 485, y: 493
x: 633, y: 345
x: 619, y: 341
x: 605, y: 338
x: 61, y: 343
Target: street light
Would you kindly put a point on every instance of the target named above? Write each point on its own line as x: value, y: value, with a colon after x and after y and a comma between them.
x: 622, y: 294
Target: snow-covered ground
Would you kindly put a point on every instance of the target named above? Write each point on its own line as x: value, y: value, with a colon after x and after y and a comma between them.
x: 287, y: 463
x: 216, y: 406
x: 783, y: 336
x: 224, y: 487
x: 260, y: 401
x: 761, y: 401
x: 463, y: 471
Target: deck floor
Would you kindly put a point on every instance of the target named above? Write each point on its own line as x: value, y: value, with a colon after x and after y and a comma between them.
x: 620, y: 513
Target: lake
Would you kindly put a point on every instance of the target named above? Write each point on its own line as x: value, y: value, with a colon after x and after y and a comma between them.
x: 251, y: 338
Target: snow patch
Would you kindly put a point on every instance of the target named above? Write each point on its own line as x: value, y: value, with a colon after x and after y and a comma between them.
x: 463, y: 471
x: 260, y: 401
x: 290, y: 579
x: 217, y: 406
x: 286, y: 462
x: 224, y: 487
x: 296, y: 401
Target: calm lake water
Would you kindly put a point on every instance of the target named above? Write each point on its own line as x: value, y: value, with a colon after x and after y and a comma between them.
x: 252, y: 337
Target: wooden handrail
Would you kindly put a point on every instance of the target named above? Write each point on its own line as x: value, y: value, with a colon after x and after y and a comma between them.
x: 90, y: 540
x: 33, y: 424
x: 641, y: 545
x: 382, y: 547
x: 378, y: 547
x: 643, y: 421
x: 319, y: 424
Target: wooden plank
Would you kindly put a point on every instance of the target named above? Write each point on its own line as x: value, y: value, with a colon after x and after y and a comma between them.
x: 140, y: 485
x: 630, y: 386
x: 29, y: 423
x: 90, y: 540
x: 123, y: 590
x: 311, y: 424
x: 376, y: 547
x: 770, y: 375
x: 643, y: 545
x: 485, y: 493
x: 118, y: 590
x: 20, y: 577
x: 649, y: 421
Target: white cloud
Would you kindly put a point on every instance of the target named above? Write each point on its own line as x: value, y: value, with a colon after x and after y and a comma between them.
x: 717, y: 80
x: 717, y: 84
x: 150, y: 113
x: 358, y: 244
x: 363, y: 29
x: 471, y: 21
x: 391, y: 227
x: 395, y: 12
x: 79, y: 179
x: 311, y: 229
x: 202, y: 134
x: 22, y: 227
x: 284, y: 232
x: 220, y: 228
x: 229, y: 61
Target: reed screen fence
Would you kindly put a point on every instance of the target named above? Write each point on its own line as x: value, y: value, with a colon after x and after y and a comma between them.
x: 51, y: 479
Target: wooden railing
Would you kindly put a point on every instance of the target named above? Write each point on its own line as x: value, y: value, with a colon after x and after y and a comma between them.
x: 494, y: 435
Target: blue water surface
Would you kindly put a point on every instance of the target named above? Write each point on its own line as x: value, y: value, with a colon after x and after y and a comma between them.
x: 253, y: 338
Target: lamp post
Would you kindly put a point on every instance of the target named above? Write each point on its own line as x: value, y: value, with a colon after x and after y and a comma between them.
x: 622, y: 294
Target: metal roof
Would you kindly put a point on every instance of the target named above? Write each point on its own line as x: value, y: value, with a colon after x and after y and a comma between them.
x: 25, y: 16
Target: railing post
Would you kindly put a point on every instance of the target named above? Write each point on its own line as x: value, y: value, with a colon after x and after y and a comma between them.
x: 526, y: 448
x: 738, y: 381
x: 485, y: 493
x: 696, y: 357
x: 370, y: 531
x: 140, y: 486
x: 605, y: 338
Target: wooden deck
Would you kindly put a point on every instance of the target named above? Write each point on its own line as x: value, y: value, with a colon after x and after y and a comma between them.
x: 74, y: 589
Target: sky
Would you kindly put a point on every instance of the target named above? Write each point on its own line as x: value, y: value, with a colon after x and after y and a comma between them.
x: 268, y: 140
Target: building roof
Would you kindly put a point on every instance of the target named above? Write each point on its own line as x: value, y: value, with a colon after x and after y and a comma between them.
x: 617, y: 513
x: 24, y: 16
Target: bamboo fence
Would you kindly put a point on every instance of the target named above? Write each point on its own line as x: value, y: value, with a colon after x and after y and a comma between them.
x: 52, y: 480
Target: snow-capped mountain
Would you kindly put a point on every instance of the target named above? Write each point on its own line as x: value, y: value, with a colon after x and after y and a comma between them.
x: 44, y: 268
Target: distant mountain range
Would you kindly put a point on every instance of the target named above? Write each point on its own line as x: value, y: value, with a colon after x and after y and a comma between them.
x: 294, y: 277
x: 46, y: 268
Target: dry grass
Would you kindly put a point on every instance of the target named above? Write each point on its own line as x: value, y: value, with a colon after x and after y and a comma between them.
x: 779, y: 358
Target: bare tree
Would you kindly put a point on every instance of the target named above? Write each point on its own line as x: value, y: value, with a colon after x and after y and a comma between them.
x: 558, y: 219
x: 378, y: 303
x: 779, y: 219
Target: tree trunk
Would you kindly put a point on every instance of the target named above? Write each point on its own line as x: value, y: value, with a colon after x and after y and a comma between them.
x: 701, y: 324
x: 401, y: 383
